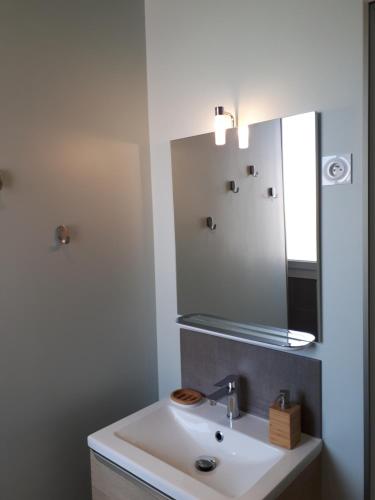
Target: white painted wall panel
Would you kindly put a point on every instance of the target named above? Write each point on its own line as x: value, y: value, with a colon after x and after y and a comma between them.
x: 265, y: 60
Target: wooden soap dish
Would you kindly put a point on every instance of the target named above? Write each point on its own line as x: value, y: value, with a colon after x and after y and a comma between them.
x: 186, y: 397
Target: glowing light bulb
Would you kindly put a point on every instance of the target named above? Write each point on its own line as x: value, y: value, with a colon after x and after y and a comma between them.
x: 220, y: 129
x: 223, y: 120
x: 243, y: 136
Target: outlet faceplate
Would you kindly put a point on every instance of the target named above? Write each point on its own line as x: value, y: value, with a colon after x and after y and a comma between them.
x: 337, y: 169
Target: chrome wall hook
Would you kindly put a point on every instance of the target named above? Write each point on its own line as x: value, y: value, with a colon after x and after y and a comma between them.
x: 272, y: 192
x: 210, y: 223
x: 63, y: 235
x: 233, y: 187
x: 252, y: 171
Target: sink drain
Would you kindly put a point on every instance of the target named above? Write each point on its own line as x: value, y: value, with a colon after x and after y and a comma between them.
x: 205, y: 464
x: 219, y: 436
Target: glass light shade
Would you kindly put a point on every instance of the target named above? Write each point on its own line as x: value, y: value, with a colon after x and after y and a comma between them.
x: 220, y: 129
x: 243, y: 136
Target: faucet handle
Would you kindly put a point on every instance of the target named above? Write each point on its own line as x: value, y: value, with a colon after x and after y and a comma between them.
x: 229, y: 380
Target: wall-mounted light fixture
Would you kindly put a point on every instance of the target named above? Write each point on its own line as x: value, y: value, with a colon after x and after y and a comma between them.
x: 224, y: 120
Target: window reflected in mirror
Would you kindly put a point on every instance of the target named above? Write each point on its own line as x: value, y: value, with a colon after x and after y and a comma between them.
x: 300, y: 181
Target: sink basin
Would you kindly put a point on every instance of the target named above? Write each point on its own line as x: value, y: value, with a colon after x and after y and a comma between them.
x: 183, y: 436
x: 161, y: 443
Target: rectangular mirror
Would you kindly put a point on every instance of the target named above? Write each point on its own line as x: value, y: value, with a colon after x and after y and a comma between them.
x: 247, y: 226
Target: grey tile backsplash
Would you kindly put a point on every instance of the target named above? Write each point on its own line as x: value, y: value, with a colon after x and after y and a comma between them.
x: 206, y: 359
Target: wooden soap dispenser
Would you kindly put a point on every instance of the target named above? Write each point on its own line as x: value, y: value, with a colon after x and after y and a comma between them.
x: 285, y: 422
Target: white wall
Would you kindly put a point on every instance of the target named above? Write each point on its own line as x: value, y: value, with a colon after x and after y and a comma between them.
x: 265, y: 60
x: 77, y: 324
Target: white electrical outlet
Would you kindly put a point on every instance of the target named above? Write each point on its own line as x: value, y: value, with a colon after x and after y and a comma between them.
x: 337, y: 169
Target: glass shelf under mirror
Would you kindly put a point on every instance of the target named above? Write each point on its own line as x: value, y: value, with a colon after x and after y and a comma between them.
x: 274, y: 338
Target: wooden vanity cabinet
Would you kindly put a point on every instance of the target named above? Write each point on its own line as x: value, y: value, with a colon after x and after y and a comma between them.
x: 307, y: 485
x: 110, y: 482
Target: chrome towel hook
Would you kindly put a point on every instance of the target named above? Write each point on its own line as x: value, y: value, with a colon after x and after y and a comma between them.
x: 233, y: 187
x: 272, y: 192
x: 210, y: 224
x: 63, y: 235
x: 252, y: 171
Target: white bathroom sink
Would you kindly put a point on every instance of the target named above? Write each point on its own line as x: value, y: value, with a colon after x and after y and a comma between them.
x: 161, y: 443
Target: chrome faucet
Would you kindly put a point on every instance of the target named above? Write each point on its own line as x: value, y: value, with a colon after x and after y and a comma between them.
x: 228, y: 387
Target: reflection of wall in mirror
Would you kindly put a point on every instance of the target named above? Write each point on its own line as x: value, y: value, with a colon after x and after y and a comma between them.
x: 238, y: 271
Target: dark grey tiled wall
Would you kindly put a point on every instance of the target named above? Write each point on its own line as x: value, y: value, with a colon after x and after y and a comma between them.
x: 206, y: 359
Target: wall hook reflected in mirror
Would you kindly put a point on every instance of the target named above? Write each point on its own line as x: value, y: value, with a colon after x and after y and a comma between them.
x: 252, y: 171
x: 210, y: 223
x: 272, y: 192
x: 233, y: 187
x: 63, y: 235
